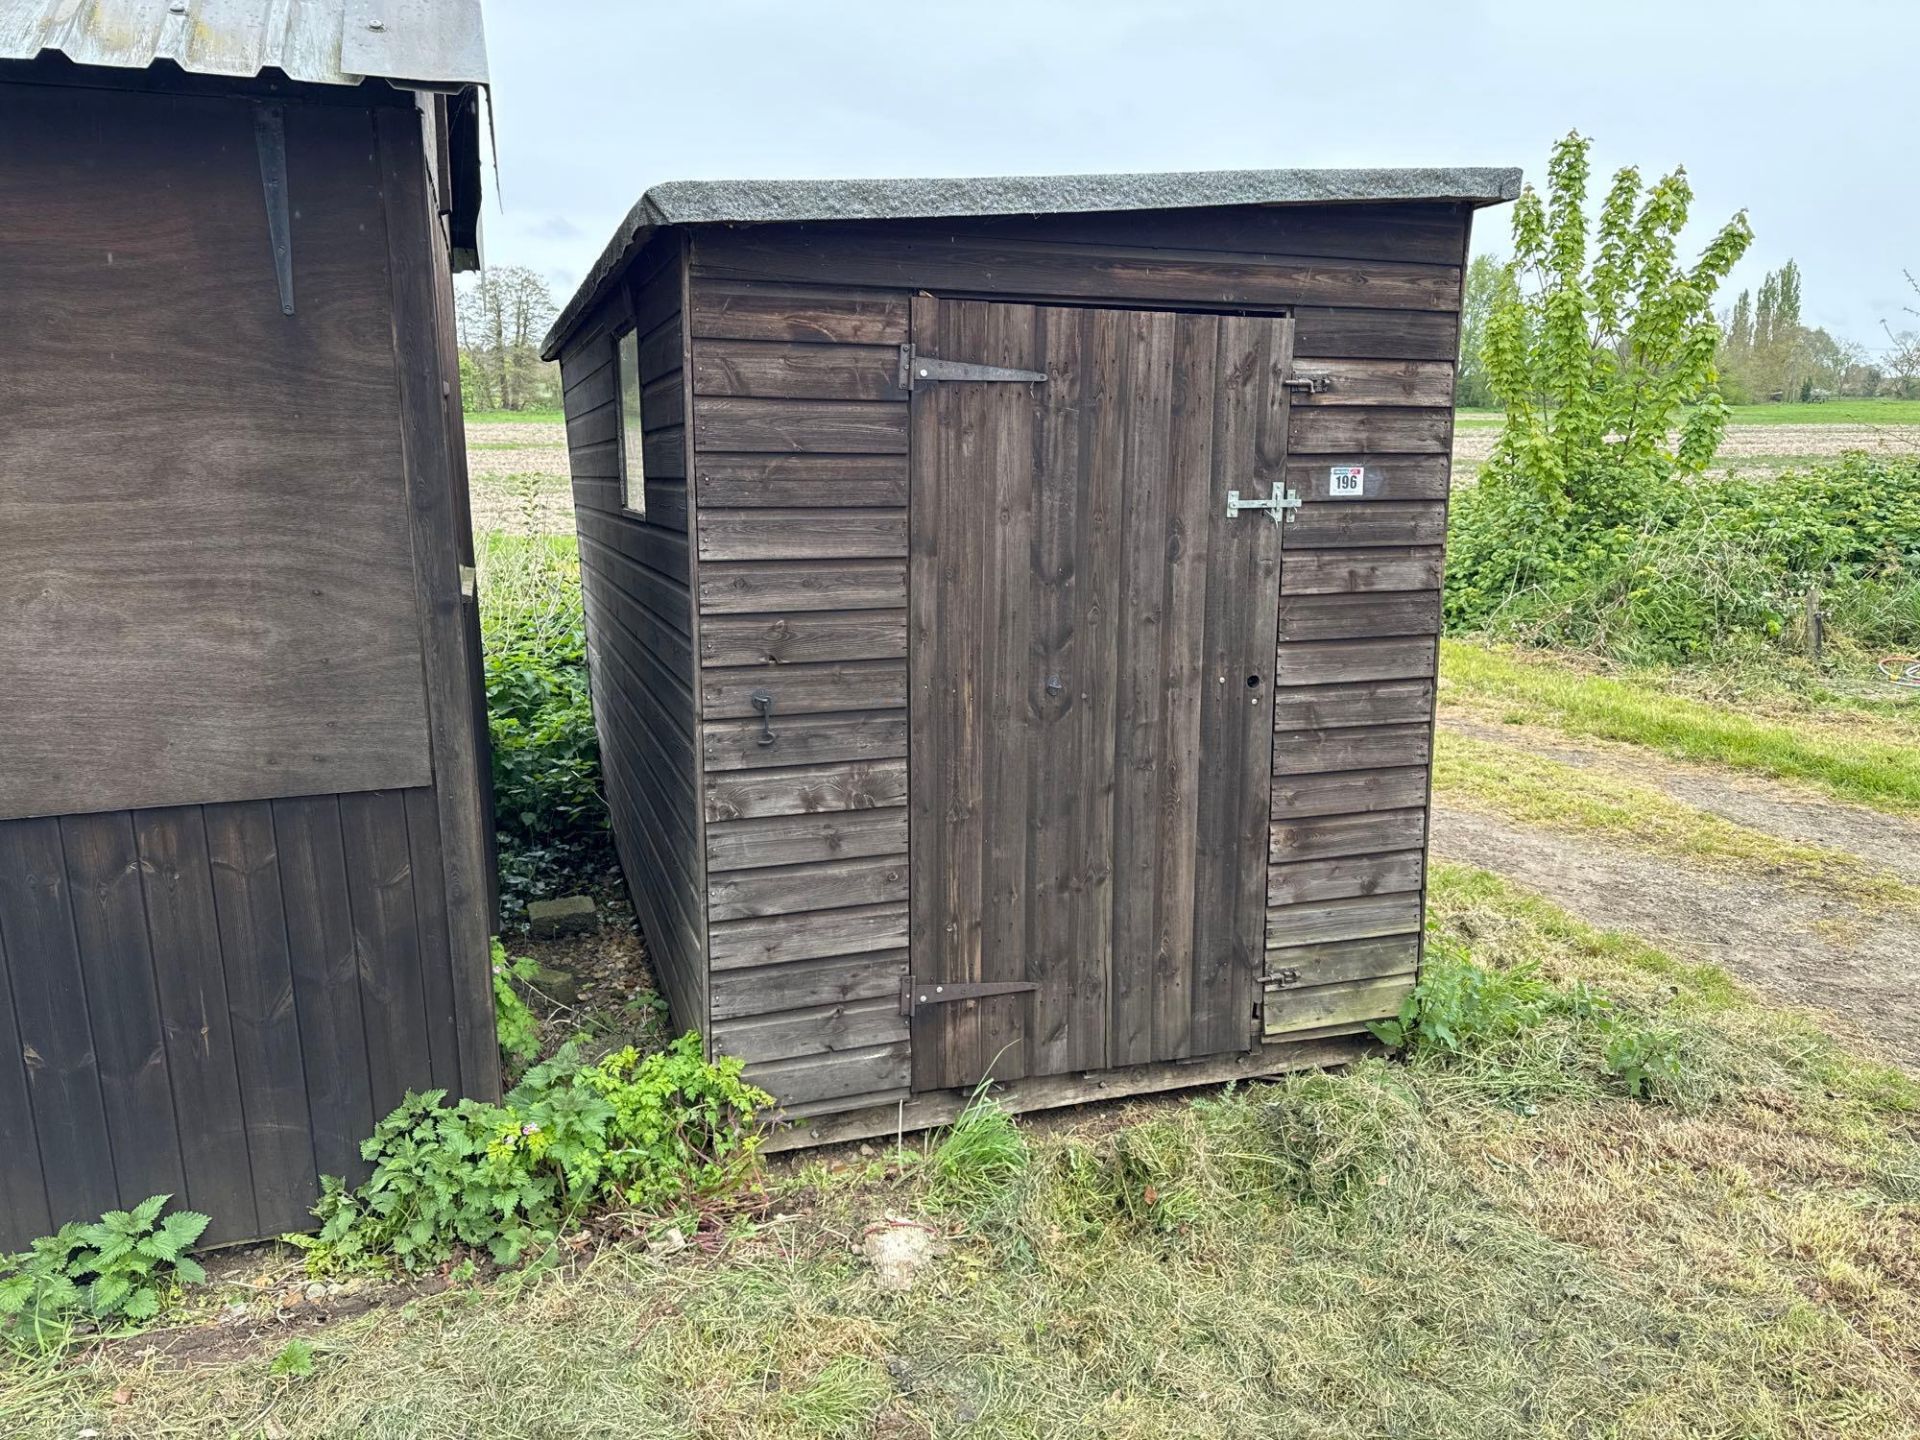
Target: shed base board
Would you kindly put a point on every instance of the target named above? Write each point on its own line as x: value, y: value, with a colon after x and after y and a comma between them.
x: 1043, y: 1092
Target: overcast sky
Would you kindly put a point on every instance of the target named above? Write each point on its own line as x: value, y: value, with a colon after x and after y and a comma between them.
x: 1806, y: 115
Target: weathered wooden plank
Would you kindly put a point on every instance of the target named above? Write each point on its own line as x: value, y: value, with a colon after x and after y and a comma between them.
x: 1375, y: 382
x: 806, y: 790
x: 1324, y: 837
x: 1364, y: 428
x: 326, y: 979
x: 806, y: 534
x: 1367, y: 618
x: 1321, y: 1006
x: 1324, y: 332
x: 1362, y: 917
x: 189, y: 974
x: 53, y: 1036
x: 1330, y: 662
x: 811, y: 935
x: 818, y: 1030
x: 252, y: 927
x: 747, y: 310
x: 1336, y: 524
x: 824, y: 1077
x: 1347, y: 572
x: 954, y: 260
x: 788, y: 890
x: 1370, y: 702
x: 798, y: 480
x: 738, y: 994
x: 23, y: 1192
x: 1351, y: 747
x: 797, y: 839
x: 854, y: 427
x: 780, y: 639
x: 1349, y: 792
x: 732, y: 589
x: 804, y: 689
x: 1334, y: 879
x: 782, y: 369
x: 436, y: 958
x: 1383, y: 478
x: 804, y: 739
x: 386, y: 943
x: 110, y: 930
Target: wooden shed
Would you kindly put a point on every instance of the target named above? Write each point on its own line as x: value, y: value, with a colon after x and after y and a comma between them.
x: 244, y: 893
x: 1012, y: 609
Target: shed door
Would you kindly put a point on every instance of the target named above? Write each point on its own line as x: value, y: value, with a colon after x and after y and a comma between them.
x: 1091, y: 655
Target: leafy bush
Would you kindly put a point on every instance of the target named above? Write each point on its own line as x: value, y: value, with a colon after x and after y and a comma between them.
x: 550, y: 819
x: 515, y: 1027
x: 570, y: 1136
x: 123, y: 1267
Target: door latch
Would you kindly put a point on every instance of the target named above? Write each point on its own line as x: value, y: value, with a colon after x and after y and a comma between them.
x: 1280, y: 506
x: 763, y: 702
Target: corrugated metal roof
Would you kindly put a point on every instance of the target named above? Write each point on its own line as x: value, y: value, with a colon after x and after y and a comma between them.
x: 434, y: 43
x: 763, y: 202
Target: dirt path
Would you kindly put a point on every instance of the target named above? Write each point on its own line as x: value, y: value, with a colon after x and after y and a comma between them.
x: 1745, y: 445
x: 1825, y: 952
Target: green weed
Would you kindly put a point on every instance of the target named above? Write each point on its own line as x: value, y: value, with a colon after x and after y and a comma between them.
x: 979, y: 1160
x: 123, y: 1267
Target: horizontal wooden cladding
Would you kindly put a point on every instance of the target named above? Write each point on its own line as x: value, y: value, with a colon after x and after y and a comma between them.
x: 1327, y: 662
x: 950, y: 259
x: 791, y: 889
x: 1359, y: 618
x: 805, y: 740
x: 1321, y: 1008
x: 1339, y: 333
x: 803, y: 689
x: 811, y: 935
x: 1349, y: 792
x: 1374, y: 382
x: 1311, y: 939
x: 1343, y: 876
x: 817, y: 1030
x: 1387, y: 477
x: 884, y: 1069
x: 1351, y: 747
x: 762, y: 586
x: 780, y: 639
x: 1341, y: 524
x: 1370, y: 702
x: 802, y: 372
x: 745, y: 310
x: 854, y: 427
x: 806, y: 534
x: 806, y: 790
x: 1324, y: 837
x: 1351, y: 572
x: 792, y: 481
x: 801, y: 838
x: 799, y: 985
x: 1398, y: 431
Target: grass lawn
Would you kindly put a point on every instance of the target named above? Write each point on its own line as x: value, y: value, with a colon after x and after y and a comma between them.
x: 1494, y: 1242
x: 1873, y: 760
x: 515, y: 417
x: 1881, y: 410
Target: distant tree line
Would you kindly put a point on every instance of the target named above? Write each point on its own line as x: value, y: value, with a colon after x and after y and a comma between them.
x: 501, y: 315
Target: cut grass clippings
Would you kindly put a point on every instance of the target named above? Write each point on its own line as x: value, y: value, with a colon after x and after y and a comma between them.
x: 1516, y: 784
x: 1848, y: 765
x: 1496, y: 1245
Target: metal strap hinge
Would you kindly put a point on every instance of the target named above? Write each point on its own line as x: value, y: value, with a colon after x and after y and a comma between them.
x: 917, y: 370
x: 1281, y: 505
x: 270, y: 139
x: 915, y: 993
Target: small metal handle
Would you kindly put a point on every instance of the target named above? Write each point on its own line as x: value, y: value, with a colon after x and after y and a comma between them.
x: 763, y: 702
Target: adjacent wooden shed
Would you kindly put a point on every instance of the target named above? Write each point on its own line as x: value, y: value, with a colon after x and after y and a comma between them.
x: 1012, y: 609
x: 244, y: 894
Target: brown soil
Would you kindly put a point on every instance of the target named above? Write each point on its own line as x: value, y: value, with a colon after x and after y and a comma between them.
x: 1744, y: 443
x: 1820, y: 951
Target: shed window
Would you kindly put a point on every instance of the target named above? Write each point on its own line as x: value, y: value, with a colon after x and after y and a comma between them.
x: 633, y: 478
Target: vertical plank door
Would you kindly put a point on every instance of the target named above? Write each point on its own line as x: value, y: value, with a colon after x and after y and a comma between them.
x: 1090, y: 653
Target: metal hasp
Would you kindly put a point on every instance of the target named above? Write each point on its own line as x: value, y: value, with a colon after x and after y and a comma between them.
x: 763, y: 702
x: 915, y: 993
x: 917, y: 370
x: 1281, y: 505
x: 270, y: 135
